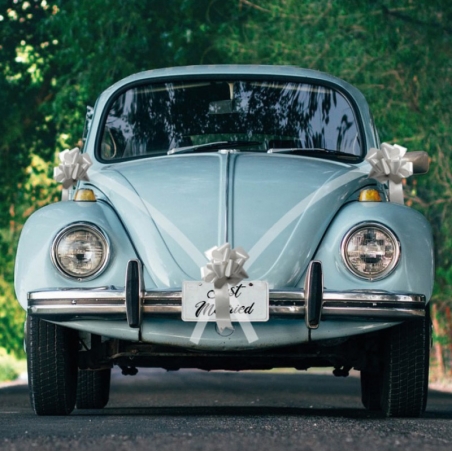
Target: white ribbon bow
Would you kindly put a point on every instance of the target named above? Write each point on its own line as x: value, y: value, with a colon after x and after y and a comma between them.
x: 388, y: 165
x: 73, y: 167
x: 225, y: 267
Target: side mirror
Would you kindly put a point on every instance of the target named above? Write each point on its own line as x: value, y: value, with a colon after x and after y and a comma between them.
x: 420, y: 161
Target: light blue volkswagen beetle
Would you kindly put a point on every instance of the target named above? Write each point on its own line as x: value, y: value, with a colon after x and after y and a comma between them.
x: 228, y: 217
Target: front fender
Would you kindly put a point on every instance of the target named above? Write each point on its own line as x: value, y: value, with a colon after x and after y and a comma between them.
x: 415, y: 270
x: 34, y: 269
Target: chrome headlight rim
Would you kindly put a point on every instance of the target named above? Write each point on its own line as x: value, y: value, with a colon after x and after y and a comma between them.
x: 92, y: 228
x: 385, y: 229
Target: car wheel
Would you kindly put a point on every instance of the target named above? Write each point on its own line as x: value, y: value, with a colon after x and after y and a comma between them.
x: 52, y: 367
x: 371, y: 390
x: 93, y: 388
x: 405, y: 376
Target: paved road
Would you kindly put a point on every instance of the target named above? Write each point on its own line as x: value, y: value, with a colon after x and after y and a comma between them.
x: 193, y: 410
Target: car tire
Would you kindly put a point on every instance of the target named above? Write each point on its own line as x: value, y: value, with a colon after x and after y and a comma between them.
x: 52, y: 367
x: 93, y: 388
x: 371, y: 390
x: 405, y: 375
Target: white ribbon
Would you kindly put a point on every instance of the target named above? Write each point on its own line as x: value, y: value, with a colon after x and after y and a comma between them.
x: 73, y: 167
x: 225, y: 267
x: 388, y: 165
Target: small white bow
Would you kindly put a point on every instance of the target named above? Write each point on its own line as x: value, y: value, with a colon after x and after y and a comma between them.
x: 226, y: 265
x: 388, y: 165
x: 73, y: 167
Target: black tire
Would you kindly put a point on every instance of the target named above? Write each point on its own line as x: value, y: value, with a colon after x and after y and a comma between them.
x: 371, y: 390
x: 405, y: 377
x: 52, y: 367
x: 93, y: 388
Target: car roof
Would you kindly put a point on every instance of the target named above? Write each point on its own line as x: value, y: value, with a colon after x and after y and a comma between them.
x: 248, y: 70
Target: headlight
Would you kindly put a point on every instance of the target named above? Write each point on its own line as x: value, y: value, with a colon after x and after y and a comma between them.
x: 370, y: 250
x: 80, y: 251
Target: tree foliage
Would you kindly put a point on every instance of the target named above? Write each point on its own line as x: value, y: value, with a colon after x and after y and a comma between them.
x: 57, y: 56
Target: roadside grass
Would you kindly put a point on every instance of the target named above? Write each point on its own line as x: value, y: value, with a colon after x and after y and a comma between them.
x: 10, y: 367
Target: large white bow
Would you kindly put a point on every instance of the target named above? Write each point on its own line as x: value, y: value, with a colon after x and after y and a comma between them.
x: 388, y: 165
x: 73, y: 167
x: 225, y: 267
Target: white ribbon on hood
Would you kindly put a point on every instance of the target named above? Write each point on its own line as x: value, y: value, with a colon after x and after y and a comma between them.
x: 73, y: 167
x: 388, y: 165
x: 225, y: 267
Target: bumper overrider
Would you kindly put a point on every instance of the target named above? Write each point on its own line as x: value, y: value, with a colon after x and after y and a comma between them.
x: 312, y: 303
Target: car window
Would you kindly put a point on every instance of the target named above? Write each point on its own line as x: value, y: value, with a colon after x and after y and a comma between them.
x: 152, y: 119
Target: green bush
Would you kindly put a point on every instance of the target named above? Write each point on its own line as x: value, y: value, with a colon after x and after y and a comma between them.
x: 12, y: 318
x: 9, y: 367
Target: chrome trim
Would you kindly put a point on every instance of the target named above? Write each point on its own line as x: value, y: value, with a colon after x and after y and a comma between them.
x: 226, y: 198
x: 77, y: 310
x: 386, y: 230
x: 96, y: 230
x: 108, y: 301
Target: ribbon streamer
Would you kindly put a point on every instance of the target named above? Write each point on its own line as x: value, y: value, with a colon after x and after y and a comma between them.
x: 388, y: 165
x: 73, y: 167
x: 225, y: 267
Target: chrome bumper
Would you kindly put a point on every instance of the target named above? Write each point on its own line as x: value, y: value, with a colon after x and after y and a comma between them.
x: 110, y: 302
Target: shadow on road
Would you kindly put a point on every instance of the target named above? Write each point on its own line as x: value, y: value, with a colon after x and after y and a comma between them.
x: 250, y: 411
x: 238, y: 411
x: 198, y: 394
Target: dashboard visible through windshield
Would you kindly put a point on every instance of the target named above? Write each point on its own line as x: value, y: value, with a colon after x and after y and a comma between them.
x: 254, y: 116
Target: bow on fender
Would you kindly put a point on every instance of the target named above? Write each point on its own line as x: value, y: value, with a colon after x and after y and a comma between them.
x: 389, y: 165
x: 73, y: 167
x: 225, y: 267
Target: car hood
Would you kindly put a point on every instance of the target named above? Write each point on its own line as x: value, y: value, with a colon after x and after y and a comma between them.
x: 276, y: 207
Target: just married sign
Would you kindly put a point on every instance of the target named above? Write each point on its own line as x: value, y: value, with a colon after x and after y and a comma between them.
x: 247, y: 301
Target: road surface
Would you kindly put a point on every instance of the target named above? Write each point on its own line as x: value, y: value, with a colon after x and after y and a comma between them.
x: 194, y: 410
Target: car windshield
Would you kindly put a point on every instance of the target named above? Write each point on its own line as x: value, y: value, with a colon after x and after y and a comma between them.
x: 255, y: 116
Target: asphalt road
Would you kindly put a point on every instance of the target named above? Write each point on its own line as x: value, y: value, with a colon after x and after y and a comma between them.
x: 191, y: 410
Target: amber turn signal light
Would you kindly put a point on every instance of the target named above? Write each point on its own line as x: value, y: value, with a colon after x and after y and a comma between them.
x: 370, y: 195
x: 84, y: 195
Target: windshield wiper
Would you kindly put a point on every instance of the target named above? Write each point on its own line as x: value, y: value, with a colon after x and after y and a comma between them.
x: 212, y: 146
x: 314, y: 152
